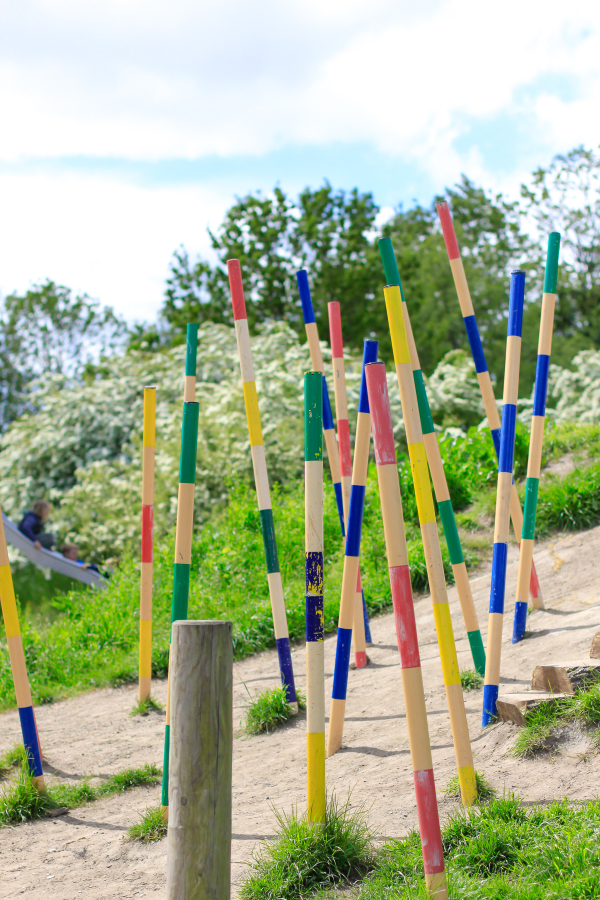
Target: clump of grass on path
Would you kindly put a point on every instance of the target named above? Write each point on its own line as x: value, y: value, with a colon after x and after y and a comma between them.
x: 484, y: 789
x: 15, y: 756
x: 470, y: 680
x: 151, y: 827
x: 145, y: 707
x: 543, y: 721
x: 306, y: 858
x: 269, y: 709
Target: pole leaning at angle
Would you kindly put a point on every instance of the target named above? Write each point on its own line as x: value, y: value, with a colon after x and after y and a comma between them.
x: 505, y: 480
x: 438, y: 475
x: 191, y: 356
x: 313, y: 549
x: 199, y: 834
x: 343, y: 429
x: 483, y: 375
x: 261, y: 479
x: 18, y: 666
x: 538, y: 420
x: 406, y: 630
x: 431, y: 545
x: 183, y: 553
x: 351, y: 560
x: 148, y: 442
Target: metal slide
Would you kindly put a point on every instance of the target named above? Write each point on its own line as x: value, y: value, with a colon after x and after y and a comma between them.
x: 48, y: 559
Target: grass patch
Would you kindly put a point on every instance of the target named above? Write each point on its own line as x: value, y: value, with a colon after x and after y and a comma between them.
x: 470, y: 680
x: 151, y: 827
x: 145, y: 707
x: 485, y: 791
x: 306, y: 858
x: 269, y: 709
x: 14, y: 756
x: 544, y: 720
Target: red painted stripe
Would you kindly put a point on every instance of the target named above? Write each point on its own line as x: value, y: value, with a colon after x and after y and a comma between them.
x: 358, y: 582
x: 404, y: 616
x: 360, y: 659
x: 237, y: 289
x: 343, y: 429
x: 448, y: 230
x: 429, y: 821
x: 335, y: 330
x: 381, y: 418
x: 534, y: 585
x: 147, y: 532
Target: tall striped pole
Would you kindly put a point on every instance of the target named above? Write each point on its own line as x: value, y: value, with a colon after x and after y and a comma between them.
x: 438, y: 475
x: 406, y: 630
x: 18, y: 666
x: 431, y: 545
x: 538, y: 420
x: 483, y: 375
x: 148, y: 441
x: 333, y: 454
x: 352, y: 553
x: 505, y: 480
x: 261, y: 479
x: 313, y: 547
x: 183, y: 552
x: 343, y: 429
x: 191, y: 356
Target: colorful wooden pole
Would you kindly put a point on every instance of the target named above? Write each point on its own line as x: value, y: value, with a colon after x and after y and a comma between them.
x: 431, y: 545
x: 483, y: 375
x: 261, y: 479
x: 18, y: 666
x: 505, y: 480
x: 183, y: 551
x: 343, y: 430
x: 438, y: 475
x: 406, y: 630
x: 352, y: 553
x: 538, y: 420
x: 191, y: 356
x: 333, y: 454
x: 313, y: 546
x: 149, y: 438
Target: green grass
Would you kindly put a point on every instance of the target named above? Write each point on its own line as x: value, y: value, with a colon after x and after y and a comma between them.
x: 484, y: 789
x: 543, y: 721
x: 15, y: 756
x: 470, y: 680
x: 151, y: 827
x: 306, y: 858
x: 269, y: 709
x: 145, y: 707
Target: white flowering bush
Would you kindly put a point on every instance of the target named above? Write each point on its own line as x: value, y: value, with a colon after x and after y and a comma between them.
x: 575, y: 394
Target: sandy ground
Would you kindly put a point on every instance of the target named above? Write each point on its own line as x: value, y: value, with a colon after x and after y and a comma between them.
x: 83, y: 854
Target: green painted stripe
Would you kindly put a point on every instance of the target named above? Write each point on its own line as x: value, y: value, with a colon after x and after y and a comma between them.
x: 427, y: 425
x: 451, y: 532
x: 165, y: 775
x: 189, y: 443
x: 531, y: 495
x: 551, y: 276
x: 191, y: 349
x: 313, y: 416
x: 181, y: 591
x: 268, y: 534
x: 477, y: 651
x: 388, y: 258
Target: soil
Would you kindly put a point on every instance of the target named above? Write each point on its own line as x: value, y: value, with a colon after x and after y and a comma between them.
x: 83, y: 854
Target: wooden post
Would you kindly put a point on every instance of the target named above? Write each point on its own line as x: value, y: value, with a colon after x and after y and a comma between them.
x: 149, y: 440
x: 199, y: 834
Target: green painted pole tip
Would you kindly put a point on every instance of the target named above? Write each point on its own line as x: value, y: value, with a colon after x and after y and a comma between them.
x: 551, y: 276
x: 388, y: 258
x: 313, y: 416
x: 191, y: 349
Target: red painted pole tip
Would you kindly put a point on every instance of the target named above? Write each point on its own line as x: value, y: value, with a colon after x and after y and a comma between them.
x: 448, y: 230
x: 335, y: 329
x: 236, y: 287
x: 381, y: 417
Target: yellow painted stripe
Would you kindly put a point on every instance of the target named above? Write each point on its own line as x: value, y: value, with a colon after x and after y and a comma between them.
x: 315, y: 776
x: 252, y: 413
x: 393, y: 302
x: 420, y: 473
x: 468, y: 785
x: 445, y: 636
x: 149, y: 417
x: 9, y: 605
x: 145, y: 648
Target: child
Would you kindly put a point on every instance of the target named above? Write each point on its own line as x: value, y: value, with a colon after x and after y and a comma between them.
x: 32, y: 526
x: 71, y: 551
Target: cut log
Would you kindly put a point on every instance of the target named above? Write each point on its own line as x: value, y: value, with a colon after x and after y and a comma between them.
x: 512, y: 707
x: 595, y: 648
x: 566, y: 677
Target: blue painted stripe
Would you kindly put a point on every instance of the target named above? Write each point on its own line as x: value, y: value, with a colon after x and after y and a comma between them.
x: 507, y: 438
x: 314, y: 618
x: 519, y: 622
x: 285, y: 668
x: 515, y: 303
x: 369, y: 356
x: 498, y: 589
x: 368, y: 637
x: 496, y: 440
x: 490, y: 697
x: 305, y: 298
x: 337, y: 487
x: 342, y: 661
x: 327, y: 414
x: 540, y: 389
x: 355, y: 517
x: 475, y: 344
x: 313, y: 567
x: 30, y: 740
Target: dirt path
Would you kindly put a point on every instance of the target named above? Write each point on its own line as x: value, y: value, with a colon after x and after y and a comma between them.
x: 82, y: 855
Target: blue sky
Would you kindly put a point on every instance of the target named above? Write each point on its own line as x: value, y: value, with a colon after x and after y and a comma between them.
x: 128, y: 126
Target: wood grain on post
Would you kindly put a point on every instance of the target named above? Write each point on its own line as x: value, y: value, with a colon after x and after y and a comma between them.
x: 201, y: 736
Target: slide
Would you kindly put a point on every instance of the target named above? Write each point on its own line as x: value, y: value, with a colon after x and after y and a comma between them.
x: 48, y: 559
